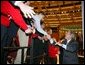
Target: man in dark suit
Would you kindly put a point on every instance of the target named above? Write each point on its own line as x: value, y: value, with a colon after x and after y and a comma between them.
x: 70, y: 47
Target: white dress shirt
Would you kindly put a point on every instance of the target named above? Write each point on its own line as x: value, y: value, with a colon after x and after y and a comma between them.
x: 65, y: 45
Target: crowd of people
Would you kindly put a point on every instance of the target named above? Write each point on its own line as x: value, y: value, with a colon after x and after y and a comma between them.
x: 56, y: 52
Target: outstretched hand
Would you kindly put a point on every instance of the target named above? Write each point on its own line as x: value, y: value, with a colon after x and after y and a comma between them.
x: 26, y: 9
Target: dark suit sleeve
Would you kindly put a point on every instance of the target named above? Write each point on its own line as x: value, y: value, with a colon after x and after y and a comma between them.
x: 72, y: 47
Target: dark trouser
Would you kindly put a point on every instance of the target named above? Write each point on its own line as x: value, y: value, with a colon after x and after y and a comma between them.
x: 12, y: 32
x: 3, y: 43
x: 7, y: 35
x: 61, y: 55
x: 46, y: 58
x: 35, y: 50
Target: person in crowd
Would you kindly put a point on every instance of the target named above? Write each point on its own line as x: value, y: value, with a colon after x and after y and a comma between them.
x: 7, y: 11
x: 50, y: 50
x: 35, y: 43
x: 53, y: 51
x: 61, y: 51
x: 70, y: 48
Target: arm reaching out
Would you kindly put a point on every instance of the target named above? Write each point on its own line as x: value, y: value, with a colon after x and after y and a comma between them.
x: 26, y: 9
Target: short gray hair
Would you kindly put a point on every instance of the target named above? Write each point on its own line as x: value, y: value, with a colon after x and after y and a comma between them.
x: 72, y: 33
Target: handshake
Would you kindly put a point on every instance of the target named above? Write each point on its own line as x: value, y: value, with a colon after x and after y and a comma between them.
x: 60, y: 42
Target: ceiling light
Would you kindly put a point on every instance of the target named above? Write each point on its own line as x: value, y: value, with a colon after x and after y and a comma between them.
x: 62, y: 12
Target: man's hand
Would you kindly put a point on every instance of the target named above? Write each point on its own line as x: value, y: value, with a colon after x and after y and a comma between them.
x: 49, y: 37
x: 29, y: 30
x: 26, y: 9
x: 45, y: 38
x: 58, y: 43
x: 40, y: 38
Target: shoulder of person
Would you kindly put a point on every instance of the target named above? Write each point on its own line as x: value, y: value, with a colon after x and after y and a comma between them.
x: 73, y: 41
